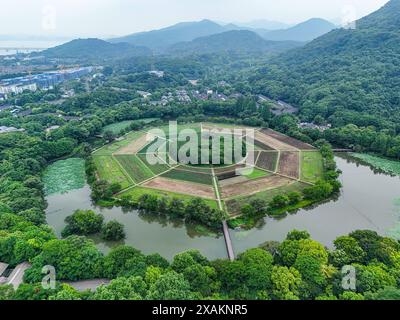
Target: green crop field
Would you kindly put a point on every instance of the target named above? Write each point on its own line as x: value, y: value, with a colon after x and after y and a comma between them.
x: 155, y: 168
x: 157, y: 143
x: 109, y: 170
x: 234, y: 205
x: 137, y: 192
x: 254, y: 174
x: 189, y: 176
x: 136, y: 169
x: 311, y: 166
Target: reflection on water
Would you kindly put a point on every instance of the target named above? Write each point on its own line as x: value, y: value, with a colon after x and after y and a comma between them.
x: 369, y: 200
x: 149, y: 233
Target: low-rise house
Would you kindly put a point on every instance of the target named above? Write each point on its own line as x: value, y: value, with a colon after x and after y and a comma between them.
x: 157, y: 73
x: 219, y: 97
x: 52, y: 128
x: 144, y: 94
x: 309, y: 125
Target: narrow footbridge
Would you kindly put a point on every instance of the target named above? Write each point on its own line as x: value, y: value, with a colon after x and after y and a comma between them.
x: 228, y: 241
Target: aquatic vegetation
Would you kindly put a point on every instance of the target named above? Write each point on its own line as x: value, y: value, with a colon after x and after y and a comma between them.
x: 386, y: 165
x: 64, y: 175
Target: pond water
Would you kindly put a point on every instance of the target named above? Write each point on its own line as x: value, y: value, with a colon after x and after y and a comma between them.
x: 369, y: 200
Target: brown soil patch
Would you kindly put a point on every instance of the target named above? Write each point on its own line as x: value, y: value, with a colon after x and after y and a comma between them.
x: 288, y: 140
x: 272, y: 142
x: 267, y: 160
x: 289, y: 164
x: 192, y: 189
x: 254, y: 186
x: 230, y: 181
x: 135, y: 146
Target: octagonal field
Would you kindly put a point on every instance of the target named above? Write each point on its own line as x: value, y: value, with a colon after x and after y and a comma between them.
x: 281, y: 165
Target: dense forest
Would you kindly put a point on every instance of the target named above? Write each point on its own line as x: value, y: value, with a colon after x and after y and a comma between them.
x: 347, y: 77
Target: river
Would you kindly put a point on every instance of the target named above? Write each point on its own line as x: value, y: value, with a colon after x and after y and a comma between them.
x: 369, y: 200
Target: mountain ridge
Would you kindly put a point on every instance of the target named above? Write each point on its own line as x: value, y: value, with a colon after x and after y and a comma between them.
x: 94, y: 48
x: 239, y: 41
x: 305, y: 31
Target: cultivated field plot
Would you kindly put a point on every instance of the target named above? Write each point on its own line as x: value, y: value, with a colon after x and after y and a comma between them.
x: 190, y: 176
x: 253, y: 186
x: 136, y: 145
x: 109, y: 170
x: 311, y: 166
x: 159, y: 143
x: 200, y: 169
x: 157, y: 168
x: 110, y: 149
x: 288, y: 140
x: 262, y: 146
x: 289, y: 164
x: 235, y: 204
x: 135, y: 168
x: 193, y: 189
x: 262, y: 138
x: 268, y: 160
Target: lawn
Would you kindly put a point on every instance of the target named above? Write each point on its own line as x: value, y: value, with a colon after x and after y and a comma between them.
x: 109, y: 170
x: 311, y: 166
x: 155, y: 168
x: 136, y: 169
x: 234, y: 205
x: 189, y: 176
x: 137, y: 192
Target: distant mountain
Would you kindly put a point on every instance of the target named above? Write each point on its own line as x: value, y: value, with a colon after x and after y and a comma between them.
x: 160, y: 39
x: 305, y: 31
x: 94, y: 48
x: 239, y: 41
x: 263, y: 24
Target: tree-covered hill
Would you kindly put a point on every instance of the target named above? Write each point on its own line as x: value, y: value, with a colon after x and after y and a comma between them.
x: 94, y: 48
x: 242, y: 41
x: 346, y: 76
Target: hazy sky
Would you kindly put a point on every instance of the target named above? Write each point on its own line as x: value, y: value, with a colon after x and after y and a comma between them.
x: 119, y: 17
